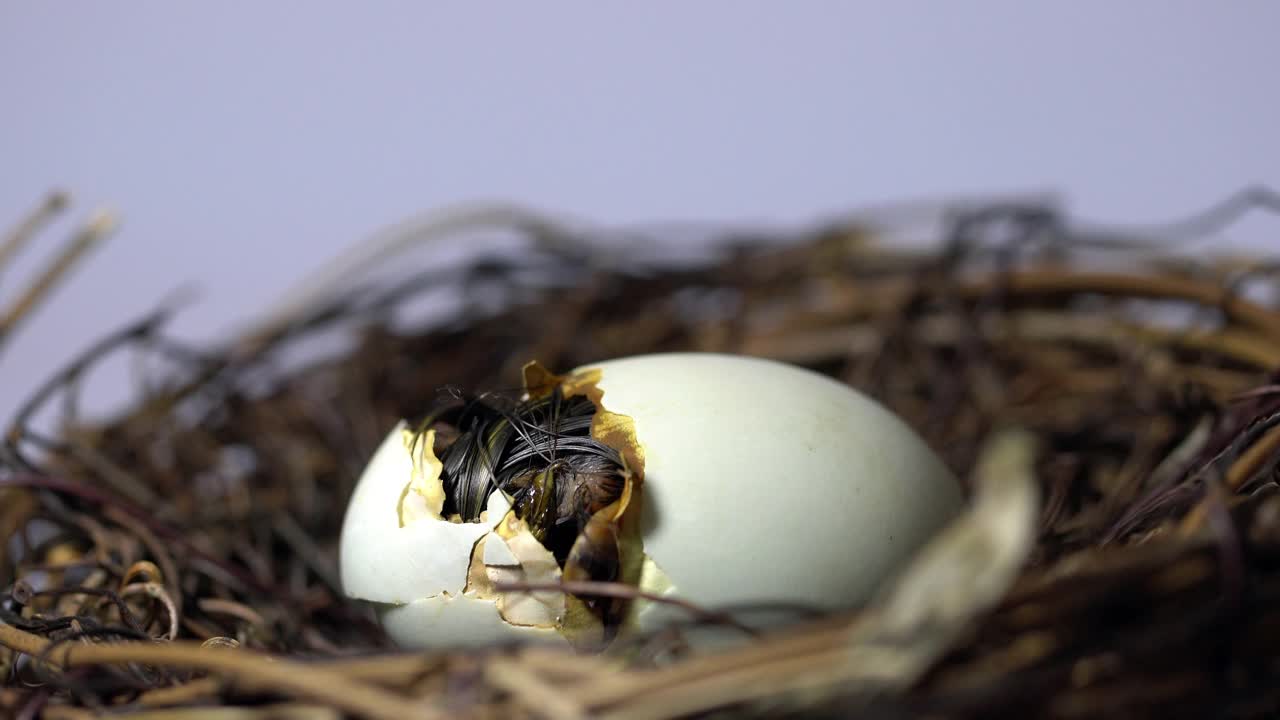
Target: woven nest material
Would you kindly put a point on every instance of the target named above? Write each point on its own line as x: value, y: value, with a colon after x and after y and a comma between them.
x: 1111, y: 408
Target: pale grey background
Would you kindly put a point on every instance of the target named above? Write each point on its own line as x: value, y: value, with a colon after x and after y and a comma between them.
x: 246, y: 142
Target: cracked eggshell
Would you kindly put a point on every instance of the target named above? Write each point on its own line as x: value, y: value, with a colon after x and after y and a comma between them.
x: 416, y: 572
x: 764, y: 482
x: 381, y: 561
x: 456, y: 621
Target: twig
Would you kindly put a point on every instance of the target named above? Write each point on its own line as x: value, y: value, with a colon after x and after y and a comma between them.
x: 98, y: 228
x: 537, y: 696
x: 247, y: 668
x: 21, y: 234
x: 188, y: 692
x: 284, y: 711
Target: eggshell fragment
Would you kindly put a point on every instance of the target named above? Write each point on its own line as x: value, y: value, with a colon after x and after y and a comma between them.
x: 397, y: 552
x: 497, y: 554
x: 384, y: 562
x: 534, y: 564
x: 458, y: 621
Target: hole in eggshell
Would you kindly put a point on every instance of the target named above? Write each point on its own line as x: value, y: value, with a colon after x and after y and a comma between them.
x: 575, y: 509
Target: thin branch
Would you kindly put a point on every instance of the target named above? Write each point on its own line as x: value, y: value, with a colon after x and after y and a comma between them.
x: 21, y: 234
x: 248, y: 669
x: 98, y: 228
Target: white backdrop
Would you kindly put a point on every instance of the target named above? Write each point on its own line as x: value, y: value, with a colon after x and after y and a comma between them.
x: 245, y: 142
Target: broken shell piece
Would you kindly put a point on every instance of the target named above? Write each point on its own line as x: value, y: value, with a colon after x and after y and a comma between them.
x: 534, y: 565
x: 497, y: 554
x: 459, y: 621
x: 382, y: 561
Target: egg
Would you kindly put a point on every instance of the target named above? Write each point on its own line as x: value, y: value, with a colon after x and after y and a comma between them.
x: 747, y: 481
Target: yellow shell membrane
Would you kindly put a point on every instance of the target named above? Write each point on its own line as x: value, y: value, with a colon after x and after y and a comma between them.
x: 621, y: 517
x: 424, y: 495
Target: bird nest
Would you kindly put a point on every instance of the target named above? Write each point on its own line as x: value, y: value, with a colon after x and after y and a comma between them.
x: 1110, y: 404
